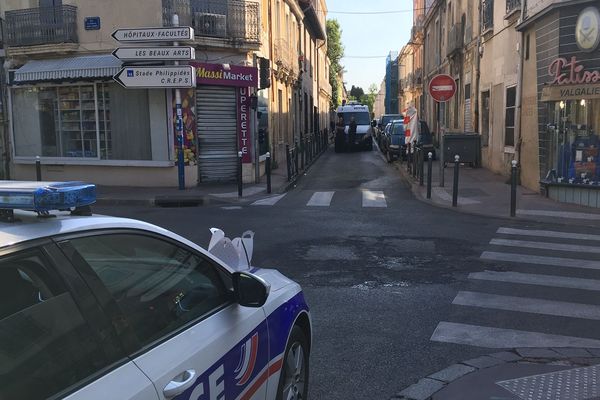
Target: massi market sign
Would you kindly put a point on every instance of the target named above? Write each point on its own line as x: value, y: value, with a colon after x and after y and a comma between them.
x: 225, y: 75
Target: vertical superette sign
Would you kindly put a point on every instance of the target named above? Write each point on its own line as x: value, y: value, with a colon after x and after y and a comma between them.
x: 244, y: 126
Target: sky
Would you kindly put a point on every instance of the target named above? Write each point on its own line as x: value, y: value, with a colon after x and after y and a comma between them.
x: 370, y: 35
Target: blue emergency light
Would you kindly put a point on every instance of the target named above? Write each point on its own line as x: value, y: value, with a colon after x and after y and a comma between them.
x: 45, y: 196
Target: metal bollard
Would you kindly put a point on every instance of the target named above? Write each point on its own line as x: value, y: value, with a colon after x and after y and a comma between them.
x: 455, y: 185
x: 421, y: 167
x: 38, y: 169
x: 268, y: 171
x: 239, y: 174
x: 513, y: 189
x: 429, y: 169
x: 408, y: 158
x: 415, y: 156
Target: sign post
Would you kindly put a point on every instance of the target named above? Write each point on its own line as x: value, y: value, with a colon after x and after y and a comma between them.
x: 165, y: 76
x: 441, y: 88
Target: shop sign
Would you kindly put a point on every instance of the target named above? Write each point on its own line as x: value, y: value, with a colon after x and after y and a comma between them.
x: 226, y: 75
x: 570, y: 92
x: 244, y: 137
x: 168, y: 76
x: 587, y: 34
x: 571, y: 72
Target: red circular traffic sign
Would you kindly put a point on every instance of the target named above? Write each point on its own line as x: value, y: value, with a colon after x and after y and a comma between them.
x: 442, y: 87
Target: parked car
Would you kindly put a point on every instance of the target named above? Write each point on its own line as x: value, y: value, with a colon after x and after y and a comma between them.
x: 383, y: 121
x: 97, y: 307
x: 393, y: 141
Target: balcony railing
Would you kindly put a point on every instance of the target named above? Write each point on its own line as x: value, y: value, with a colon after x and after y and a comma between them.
x: 455, y: 39
x: 38, y: 26
x: 512, y: 6
x: 285, y: 56
x: 488, y: 15
x: 182, y: 8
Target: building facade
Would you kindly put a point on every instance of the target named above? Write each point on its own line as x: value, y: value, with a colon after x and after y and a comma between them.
x: 65, y: 107
x: 391, y: 83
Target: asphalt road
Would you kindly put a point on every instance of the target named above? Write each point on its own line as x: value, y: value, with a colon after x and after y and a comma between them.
x: 379, y: 279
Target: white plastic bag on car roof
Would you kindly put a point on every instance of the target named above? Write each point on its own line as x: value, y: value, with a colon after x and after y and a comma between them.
x: 236, y: 253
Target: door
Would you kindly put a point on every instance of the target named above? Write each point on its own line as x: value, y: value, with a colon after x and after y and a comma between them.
x: 186, y: 334
x: 217, y: 133
x: 54, y: 340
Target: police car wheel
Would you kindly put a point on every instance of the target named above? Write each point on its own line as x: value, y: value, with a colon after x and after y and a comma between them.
x: 293, y: 382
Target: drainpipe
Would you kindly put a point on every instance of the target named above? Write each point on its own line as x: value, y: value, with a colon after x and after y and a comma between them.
x: 478, y: 70
x: 518, y: 136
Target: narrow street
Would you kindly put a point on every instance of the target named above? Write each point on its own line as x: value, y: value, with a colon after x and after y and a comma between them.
x: 384, y: 272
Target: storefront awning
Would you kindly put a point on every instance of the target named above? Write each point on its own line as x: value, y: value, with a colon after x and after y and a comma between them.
x: 81, y: 67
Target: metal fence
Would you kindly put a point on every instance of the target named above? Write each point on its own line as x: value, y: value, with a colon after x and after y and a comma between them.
x: 231, y: 19
x: 304, y: 152
x: 182, y: 8
x: 44, y: 25
x: 512, y: 5
x: 488, y: 14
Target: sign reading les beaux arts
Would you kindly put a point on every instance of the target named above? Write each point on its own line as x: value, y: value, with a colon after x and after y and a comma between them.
x: 226, y: 75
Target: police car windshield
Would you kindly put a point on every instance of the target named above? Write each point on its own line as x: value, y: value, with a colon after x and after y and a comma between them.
x: 361, y: 118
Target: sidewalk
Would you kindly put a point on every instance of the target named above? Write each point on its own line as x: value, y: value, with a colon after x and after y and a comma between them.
x: 482, y: 192
x: 226, y: 193
x: 519, y: 374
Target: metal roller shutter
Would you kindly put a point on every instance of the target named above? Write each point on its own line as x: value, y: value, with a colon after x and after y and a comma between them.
x: 217, y: 133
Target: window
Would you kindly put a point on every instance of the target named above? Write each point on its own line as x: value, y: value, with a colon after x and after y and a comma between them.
x: 509, y: 120
x: 527, y: 47
x: 485, y: 118
x: 159, y: 287
x: 456, y: 105
x: 95, y: 121
x: 46, y: 345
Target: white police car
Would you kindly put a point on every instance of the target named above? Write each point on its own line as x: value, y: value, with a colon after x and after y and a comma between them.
x: 95, y: 307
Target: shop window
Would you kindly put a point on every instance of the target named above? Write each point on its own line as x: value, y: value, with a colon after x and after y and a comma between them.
x: 96, y: 121
x: 572, y: 140
x: 509, y: 119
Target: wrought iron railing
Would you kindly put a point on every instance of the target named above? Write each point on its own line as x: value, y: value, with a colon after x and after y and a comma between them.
x: 488, y: 14
x: 182, y: 8
x: 285, y: 55
x: 455, y: 39
x: 44, y: 25
x: 231, y: 19
x: 512, y: 5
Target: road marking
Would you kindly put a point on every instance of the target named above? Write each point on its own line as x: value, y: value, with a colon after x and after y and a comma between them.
x: 560, y: 214
x: 498, y: 338
x: 320, y: 199
x: 463, y: 201
x: 269, y: 201
x: 550, y: 234
x: 250, y: 191
x: 546, y: 246
x: 540, y: 260
x: 538, y: 280
x: 528, y: 305
x: 371, y: 198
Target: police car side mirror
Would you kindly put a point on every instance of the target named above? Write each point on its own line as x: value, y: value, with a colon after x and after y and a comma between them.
x: 249, y: 290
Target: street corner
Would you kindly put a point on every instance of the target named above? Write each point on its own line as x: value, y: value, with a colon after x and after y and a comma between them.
x: 522, y: 373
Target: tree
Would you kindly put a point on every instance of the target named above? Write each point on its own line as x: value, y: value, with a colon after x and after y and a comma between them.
x: 369, y: 98
x: 357, y: 93
x: 335, y: 52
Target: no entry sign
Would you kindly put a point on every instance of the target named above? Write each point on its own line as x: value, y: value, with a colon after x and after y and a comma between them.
x: 442, y: 87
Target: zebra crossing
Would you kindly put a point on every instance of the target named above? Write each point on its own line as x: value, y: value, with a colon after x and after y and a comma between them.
x: 369, y: 199
x: 543, y: 296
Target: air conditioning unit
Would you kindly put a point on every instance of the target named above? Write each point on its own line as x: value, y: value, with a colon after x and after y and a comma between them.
x: 207, y: 24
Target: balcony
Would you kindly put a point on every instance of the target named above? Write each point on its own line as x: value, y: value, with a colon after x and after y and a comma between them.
x: 217, y: 22
x: 41, y: 26
x: 455, y: 39
x: 487, y: 22
x: 512, y: 7
x: 284, y: 55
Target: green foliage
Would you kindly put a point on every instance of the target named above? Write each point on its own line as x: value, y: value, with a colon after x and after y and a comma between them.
x: 357, y: 93
x: 335, y: 52
x: 369, y: 98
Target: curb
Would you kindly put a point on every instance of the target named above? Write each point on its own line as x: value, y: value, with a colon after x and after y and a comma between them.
x: 427, y: 387
x: 414, y: 186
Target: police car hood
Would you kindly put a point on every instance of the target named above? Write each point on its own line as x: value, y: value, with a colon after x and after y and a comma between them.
x: 273, y: 277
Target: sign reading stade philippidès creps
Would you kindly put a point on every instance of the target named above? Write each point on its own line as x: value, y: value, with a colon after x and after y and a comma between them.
x: 442, y: 87
x: 166, y: 76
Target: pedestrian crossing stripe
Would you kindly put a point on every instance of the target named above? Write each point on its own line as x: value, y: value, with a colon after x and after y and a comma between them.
x: 548, y: 234
x: 546, y: 246
x: 320, y: 199
x: 370, y: 199
x: 269, y: 201
x: 566, y: 282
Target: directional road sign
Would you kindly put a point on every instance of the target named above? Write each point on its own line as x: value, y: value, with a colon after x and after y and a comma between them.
x: 170, y: 53
x: 168, y: 76
x: 173, y: 34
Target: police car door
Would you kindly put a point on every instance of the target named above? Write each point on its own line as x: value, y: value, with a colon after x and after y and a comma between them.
x: 187, y: 335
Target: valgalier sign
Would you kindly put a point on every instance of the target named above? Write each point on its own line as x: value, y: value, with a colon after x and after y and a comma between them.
x: 571, y: 81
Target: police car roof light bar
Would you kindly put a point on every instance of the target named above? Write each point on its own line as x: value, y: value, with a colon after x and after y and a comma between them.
x: 43, y: 197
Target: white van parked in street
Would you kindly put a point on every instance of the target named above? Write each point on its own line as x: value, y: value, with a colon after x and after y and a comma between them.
x: 364, y: 130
